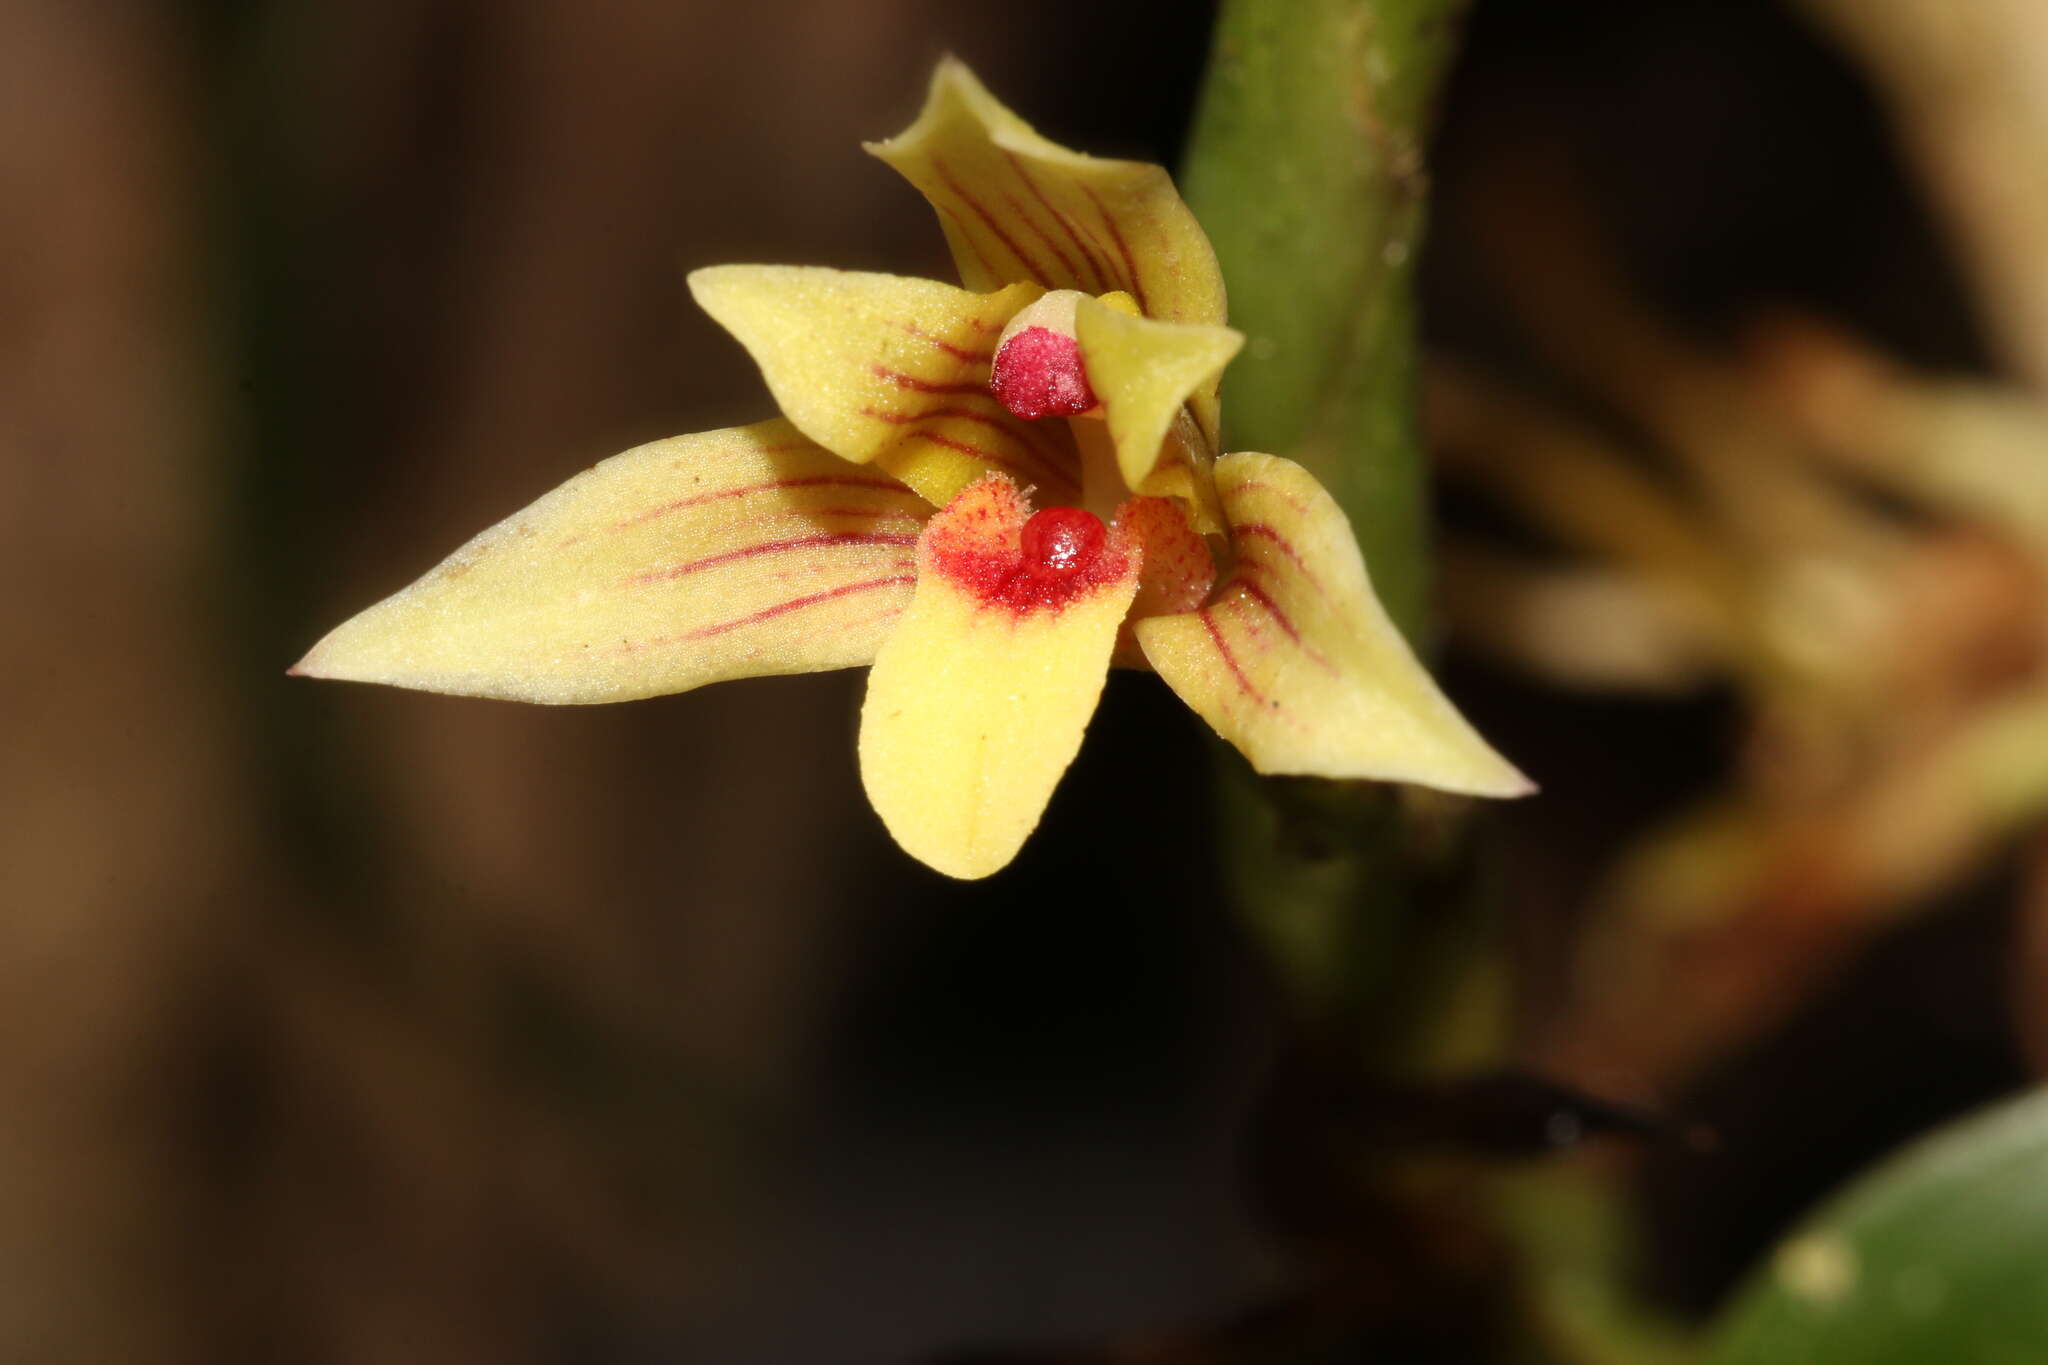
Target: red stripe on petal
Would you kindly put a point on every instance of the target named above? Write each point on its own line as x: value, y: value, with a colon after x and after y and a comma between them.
x: 808, y: 572
x: 1223, y: 651
x: 814, y: 481
x: 1017, y: 206
x: 1123, y: 249
x: 782, y: 609
x: 1096, y: 264
x: 916, y: 385
x: 1281, y: 619
x: 823, y: 540
x: 1259, y: 595
x: 890, y: 513
x: 1037, y: 442
x: 879, y: 617
x: 1258, y: 530
x: 1045, y: 470
x: 898, y: 419
x: 967, y: 235
x: 1260, y: 486
x: 981, y: 212
x: 957, y: 352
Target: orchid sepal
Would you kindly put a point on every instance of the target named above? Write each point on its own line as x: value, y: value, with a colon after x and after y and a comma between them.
x: 1017, y: 206
x: 726, y: 554
x: 891, y: 371
x: 1295, y: 661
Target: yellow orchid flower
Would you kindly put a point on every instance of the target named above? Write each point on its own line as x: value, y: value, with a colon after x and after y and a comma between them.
x: 988, y: 493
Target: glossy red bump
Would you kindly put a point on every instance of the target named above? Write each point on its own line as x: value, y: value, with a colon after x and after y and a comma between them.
x: 1062, y: 540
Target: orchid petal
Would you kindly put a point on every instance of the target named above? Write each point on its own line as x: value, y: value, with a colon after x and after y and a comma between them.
x: 1177, y: 570
x: 1145, y: 372
x: 978, y: 701
x: 1015, y: 206
x: 892, y: 371
x: 1296, y: 662
x: 721, y: 555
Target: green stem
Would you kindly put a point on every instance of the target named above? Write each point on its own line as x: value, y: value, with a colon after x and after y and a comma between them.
x: 1306, y: 169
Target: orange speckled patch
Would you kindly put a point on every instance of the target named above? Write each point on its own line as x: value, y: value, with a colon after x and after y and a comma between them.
x: 977, y: 542
x: 1178, y: 570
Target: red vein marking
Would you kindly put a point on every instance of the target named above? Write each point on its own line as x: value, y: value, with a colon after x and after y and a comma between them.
x: 893, y: 513
x: 988, y: 267
x: 1266, y: 533
x: 811, y: 481
x: 1054, y: 473
x: 1074, y: 279
x: 811, y: 571
x: 1097, y: 249
x: 981, y: 211
x: 1095, y: 266
x: 787, y: 448
x: 779, y: 609
x: 1261, y: 486
x: 903, y: 418
x: 957, y: 352
x: 1264, y: 599
x: 1123, y: 249
x: 769, y: 547
x: 1260, y: 531
x: 874, y: 620
x: 1223, y: 651
x: 1280, y: 618
x: 912, y: 382
x: 1089, y: 240
x: 1038, y: 442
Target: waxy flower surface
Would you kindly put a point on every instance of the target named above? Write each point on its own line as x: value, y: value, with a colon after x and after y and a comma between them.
x: 989, y: 493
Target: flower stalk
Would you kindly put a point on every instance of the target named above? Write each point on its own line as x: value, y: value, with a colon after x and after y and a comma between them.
x: 1306, y: 166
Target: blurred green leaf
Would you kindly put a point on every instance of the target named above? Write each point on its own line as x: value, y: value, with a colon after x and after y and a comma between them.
x: 1940, y: 1255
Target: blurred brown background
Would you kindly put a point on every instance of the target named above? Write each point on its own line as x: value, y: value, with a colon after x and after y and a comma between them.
x: 375, y: 1027
x: 348, y: 1025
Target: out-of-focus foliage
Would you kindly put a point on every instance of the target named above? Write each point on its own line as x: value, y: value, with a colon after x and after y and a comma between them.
x: 1940, y: 1255
x: 344, y: 1027
x: 1849, y: 546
